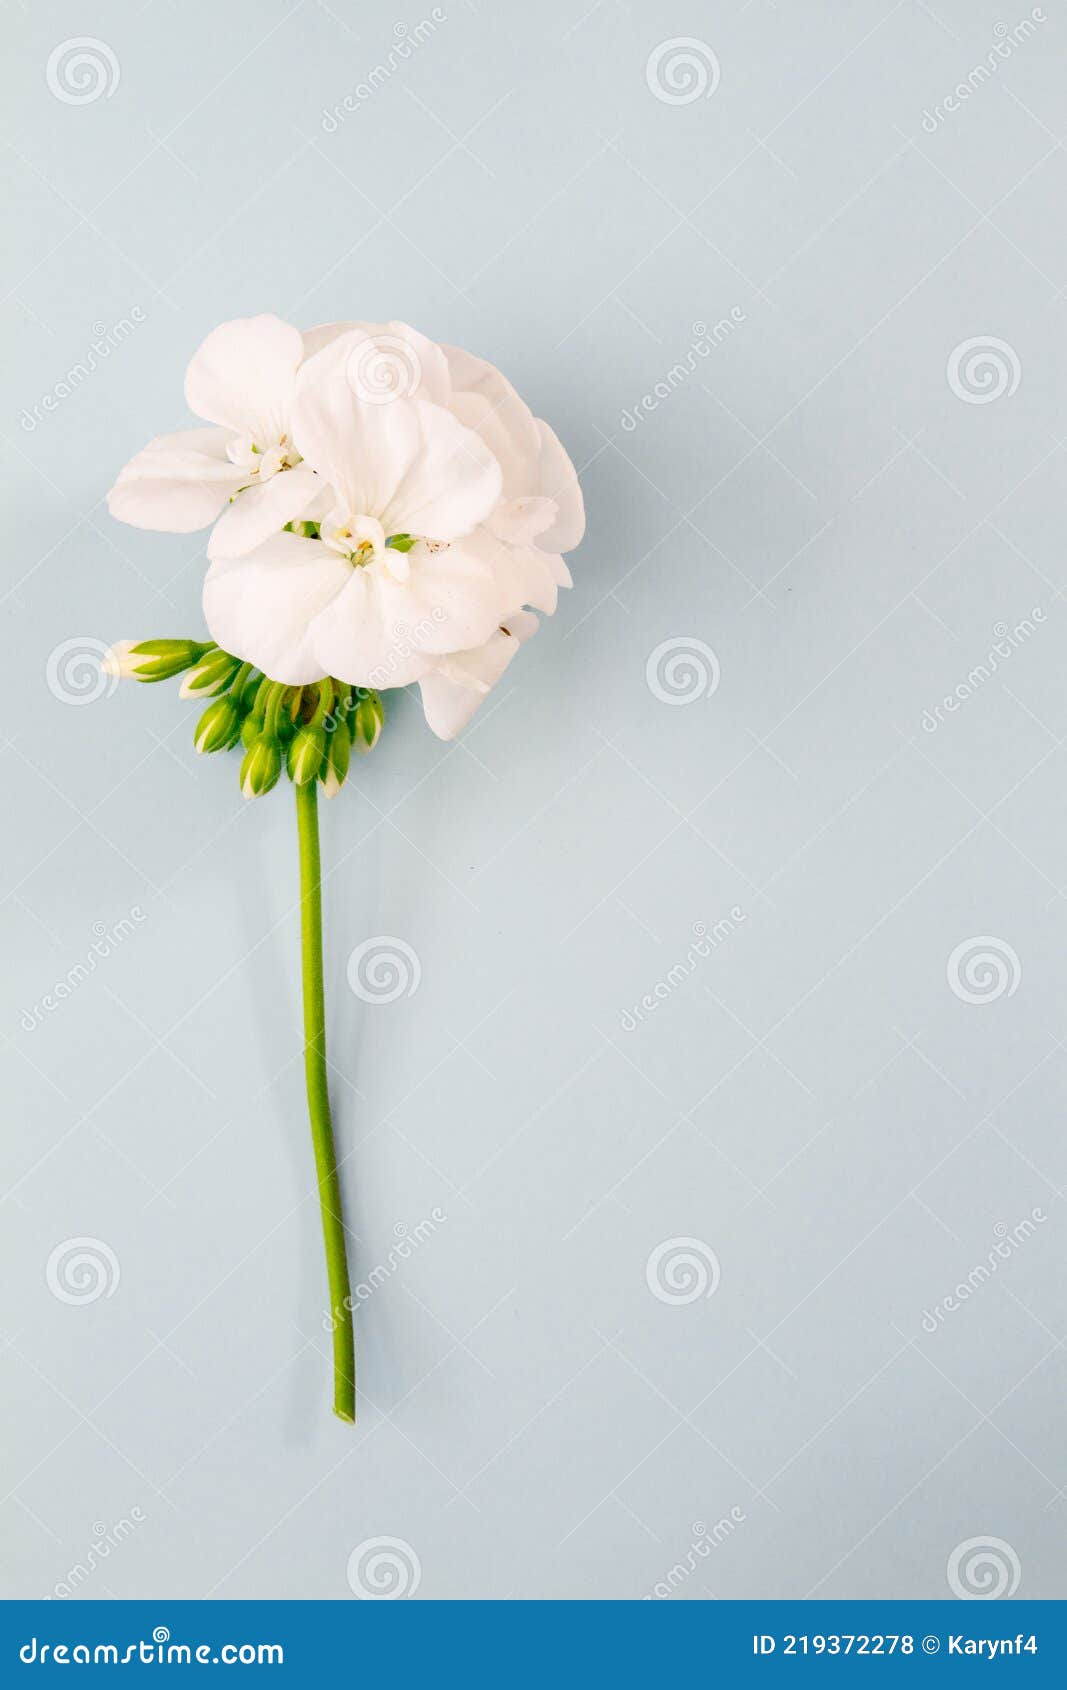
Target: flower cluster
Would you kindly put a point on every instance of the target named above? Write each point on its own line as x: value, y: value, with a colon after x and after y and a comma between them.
x: 311, y: 731
x: 385, y: 511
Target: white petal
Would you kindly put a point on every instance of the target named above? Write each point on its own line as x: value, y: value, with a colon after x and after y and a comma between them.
x: 315, y: 339
x: 407, y: 462
x: 453, y: 692
x: 263, y: 509
x: 451, y: 482
x: 533, y: 462
x: 178, y: 483
x: 518, y: 522
x: 557, y: 480
x: 386, y: 361
x: 242, y: 376
x: 536, y: 576
x: 485, y: 400
x: 372, y: 634
x: 118, y: 662
x: 520, y: 574
x: 385, y: 632
x: 261, y: 607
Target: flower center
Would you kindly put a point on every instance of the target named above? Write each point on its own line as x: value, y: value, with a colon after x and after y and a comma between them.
x: 362, y: 540
x: 261, y: 463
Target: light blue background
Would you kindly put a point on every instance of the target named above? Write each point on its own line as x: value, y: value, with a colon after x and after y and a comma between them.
x: 813, y: 1103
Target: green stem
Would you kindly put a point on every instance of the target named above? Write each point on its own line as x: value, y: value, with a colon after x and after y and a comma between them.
x: 344, y: 1366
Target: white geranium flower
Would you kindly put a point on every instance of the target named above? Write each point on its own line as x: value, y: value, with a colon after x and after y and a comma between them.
x: 448, y: 507
x: 241, y: 379
x: 389, y: 508
x: 385, y: 511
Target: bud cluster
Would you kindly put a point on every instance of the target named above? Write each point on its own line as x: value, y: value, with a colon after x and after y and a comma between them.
x: 309, y: 731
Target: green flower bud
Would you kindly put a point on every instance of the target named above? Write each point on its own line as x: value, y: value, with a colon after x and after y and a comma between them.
x: 305, y: 754
x: 211, y: 675
x: 261, y: 766
x: 288, y: 716
x: 251, y: 728
x: 152, y: 660
x: 275, y: 705
x: 334, y: 770
x: 220, y: 725
x: 250, y: 689
x: 367, y: 719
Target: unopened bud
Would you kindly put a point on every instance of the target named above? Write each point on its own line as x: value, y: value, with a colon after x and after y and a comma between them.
x: 335, y: 766
x: 367, y: 719
x: 220, y: 725
x: 215, y: 670
x: 151, y: 660
x: 305, y: 754
x: 261, y: 766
